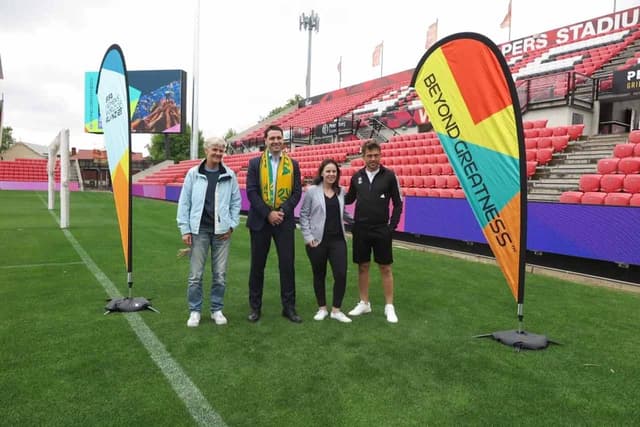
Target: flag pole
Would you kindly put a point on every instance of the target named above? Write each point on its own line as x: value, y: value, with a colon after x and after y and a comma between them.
x: 381, y: 57
x: 340, y: 74
x: 194, y: 99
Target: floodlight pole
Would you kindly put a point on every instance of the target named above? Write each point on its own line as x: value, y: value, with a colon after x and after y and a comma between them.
x: 193, y: 152
x: 309, y: 23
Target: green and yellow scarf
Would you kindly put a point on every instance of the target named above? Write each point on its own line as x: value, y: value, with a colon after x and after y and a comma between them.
x: 276, y: 193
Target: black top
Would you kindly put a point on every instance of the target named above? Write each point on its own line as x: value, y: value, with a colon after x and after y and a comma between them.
x: 332, y: 222
x: 207, y: 223
x: 372, y: 198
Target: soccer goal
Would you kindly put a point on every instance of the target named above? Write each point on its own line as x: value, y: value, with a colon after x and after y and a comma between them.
x: 60, y: 144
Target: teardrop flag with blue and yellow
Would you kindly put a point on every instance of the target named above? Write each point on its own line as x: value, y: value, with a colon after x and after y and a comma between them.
x: 113, y: 101
x: 468, y: 93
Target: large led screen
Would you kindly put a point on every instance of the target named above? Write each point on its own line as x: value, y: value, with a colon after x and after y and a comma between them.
x: 157, y: 99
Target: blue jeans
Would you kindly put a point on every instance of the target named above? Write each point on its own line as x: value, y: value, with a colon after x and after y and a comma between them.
x: 219, y: 254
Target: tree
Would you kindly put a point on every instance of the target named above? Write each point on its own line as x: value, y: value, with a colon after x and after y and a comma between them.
x: 179, y: 146
x: 7, y: 138
x: 291, y: 102
x: 230, y: 134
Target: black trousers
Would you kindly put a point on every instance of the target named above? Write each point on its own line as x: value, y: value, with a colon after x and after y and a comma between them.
x: 260, y: 245
x: 334, y: 250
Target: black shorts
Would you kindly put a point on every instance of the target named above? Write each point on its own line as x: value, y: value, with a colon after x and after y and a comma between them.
x: 368, y: 237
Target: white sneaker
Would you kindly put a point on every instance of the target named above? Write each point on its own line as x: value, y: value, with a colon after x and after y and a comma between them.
x: 390, y: 312
x: 361, y: 308
x: 219, y: 318
x: 321, y: 314
x: 340, y: 317
x: 194, y: 319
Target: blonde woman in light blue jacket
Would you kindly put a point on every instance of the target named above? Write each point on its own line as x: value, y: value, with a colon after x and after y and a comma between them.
x: 208, y: 211
x: 322, y: 217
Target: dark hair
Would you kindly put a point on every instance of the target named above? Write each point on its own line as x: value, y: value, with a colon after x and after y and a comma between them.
x: 370, y: 145
x: 272, y: 127
x: 318, y: 179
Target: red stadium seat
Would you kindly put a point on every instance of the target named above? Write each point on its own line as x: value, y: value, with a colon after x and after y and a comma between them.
x: 571, y: 197
x: 611, y: 183
x: 575, y: 131
x: 436, y: 169
x: 530, y: 143
x: 545, y: 132
x: 635, y: 200
x: 606, y: 166
x: 540, y: 123
x: 408, y: 181
x: 446, y: 193
x: 531, y: 154
x: 433, y: 192
x: 441, y: 181
x: 452, y: 182
x: 531, y: 133
x: 636, y: 150
x: 418, y: 181
x: 617, y: 199
x: 590, y: 182
x: 559, y: 143
x: 527, y: 125
x: 531, y: 168
x: 447, y: 169
x: 560, y: 131
x: 428, y: 181
x: 629, y: 165
x: 458, y: 193
x: 544, y: 142
x: 544, y: 155
x: 623, y: 150
x: 631, y: 183
x: 592, y: 198
x: 634, y: 137
x: 410, y: 191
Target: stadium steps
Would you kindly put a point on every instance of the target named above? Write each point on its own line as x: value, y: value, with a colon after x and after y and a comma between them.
x: 563, y: 173
x: 150, y: 171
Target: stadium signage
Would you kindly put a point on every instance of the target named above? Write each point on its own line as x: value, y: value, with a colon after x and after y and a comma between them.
x: 332, y: 128
x: 626, y: 81
x: 600, y: 26
x: 468, y: 165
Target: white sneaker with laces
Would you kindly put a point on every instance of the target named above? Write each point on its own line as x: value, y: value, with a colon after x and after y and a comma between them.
x: 321, y: 314
x: 390, y: 312
x: 340, y: 317
x: 219, y: 318
x: 194, y: 319
x: 361, y: 308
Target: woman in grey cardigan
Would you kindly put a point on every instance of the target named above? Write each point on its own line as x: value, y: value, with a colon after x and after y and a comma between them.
x: 322, y: 218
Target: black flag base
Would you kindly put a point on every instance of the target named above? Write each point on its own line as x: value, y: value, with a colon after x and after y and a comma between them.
x: 520, y: 339
x: 128, y: 304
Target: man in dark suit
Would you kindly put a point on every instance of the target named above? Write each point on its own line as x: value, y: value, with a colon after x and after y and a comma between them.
x: 274, y: 190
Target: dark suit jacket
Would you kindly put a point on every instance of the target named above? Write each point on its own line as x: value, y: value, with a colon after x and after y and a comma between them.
x: 259, y: 210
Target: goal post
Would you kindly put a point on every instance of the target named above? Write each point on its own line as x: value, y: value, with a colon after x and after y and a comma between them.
x: 60, y: 144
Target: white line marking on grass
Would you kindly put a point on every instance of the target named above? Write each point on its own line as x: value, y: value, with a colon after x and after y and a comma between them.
x: 46, y: 264
x: 187, y: 391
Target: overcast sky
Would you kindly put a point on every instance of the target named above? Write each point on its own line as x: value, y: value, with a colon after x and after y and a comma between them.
x: 253, y: 57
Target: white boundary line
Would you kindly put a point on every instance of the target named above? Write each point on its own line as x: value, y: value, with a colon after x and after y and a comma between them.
x: 46, y: 264
x: 187, y: 391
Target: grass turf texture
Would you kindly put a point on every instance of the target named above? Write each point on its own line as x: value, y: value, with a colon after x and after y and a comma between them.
x: 65, y: 363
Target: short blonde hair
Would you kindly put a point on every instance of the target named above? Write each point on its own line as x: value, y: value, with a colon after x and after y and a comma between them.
x: 214, y: 140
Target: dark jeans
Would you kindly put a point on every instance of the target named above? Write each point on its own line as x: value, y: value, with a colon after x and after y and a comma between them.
x: 333, y: 249
x: 260, y: 245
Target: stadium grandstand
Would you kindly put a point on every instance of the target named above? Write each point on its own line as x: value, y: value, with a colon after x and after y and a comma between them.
x: 578, y: 93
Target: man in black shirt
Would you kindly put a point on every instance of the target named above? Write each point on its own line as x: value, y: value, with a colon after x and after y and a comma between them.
x: 373, y: 187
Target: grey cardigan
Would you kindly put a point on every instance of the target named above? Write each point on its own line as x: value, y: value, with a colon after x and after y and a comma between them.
x: 313, y: 213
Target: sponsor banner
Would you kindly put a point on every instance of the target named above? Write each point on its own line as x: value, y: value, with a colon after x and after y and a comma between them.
x: 333, y: 128
x: 113, y: 99
x: 627, y: 81
x: 600, y: 26
x: 480, y: 128
x: 405, y: 118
